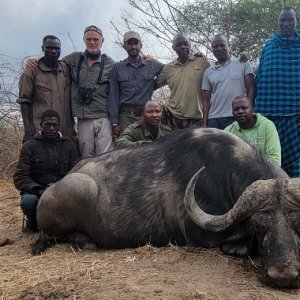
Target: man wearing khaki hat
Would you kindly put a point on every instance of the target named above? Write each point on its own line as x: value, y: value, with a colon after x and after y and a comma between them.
x: 131, y: 84
x: 90, y: 71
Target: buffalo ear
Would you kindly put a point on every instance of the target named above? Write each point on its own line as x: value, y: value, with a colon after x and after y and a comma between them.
x: 294, y: 190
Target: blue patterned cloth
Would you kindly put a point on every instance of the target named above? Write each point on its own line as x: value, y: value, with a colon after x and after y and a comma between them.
x: 278, y: 95
x: 289, y: 135
x: 278, y: 77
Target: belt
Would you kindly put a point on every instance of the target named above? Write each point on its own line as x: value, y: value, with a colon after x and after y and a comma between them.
x: 136, y: 111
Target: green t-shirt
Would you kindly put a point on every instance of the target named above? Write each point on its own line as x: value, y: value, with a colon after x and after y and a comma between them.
x: 263, y: 136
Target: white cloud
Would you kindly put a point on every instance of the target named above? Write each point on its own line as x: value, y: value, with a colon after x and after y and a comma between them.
x: 27, y: 12
x: 23, y: 24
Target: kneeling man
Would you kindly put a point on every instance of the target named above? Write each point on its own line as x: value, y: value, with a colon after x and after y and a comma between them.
x: 255, y: 129
x: 146, y: 130
x: 44, y: 159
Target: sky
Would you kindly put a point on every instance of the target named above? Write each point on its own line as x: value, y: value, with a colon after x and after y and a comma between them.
x: 24, y: 23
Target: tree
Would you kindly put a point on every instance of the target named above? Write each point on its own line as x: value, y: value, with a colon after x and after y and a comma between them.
x: 10, y: 120
x: 245, y: 23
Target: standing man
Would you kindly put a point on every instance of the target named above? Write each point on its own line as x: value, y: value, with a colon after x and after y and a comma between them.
x: 145, y: 130
x: 46, y: 86
x: 255, y: 129
x: 278, y: 87
x: 90, y: 71
x: 131, y: 84
x: 44, y: 159
x: 184, y: 77
x: 226, y: 79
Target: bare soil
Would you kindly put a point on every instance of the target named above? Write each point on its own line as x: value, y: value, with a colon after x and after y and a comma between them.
x: 170, y: 272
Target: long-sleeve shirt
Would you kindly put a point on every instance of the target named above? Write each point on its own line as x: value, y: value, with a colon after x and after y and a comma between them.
x: 263, y: 136
x: 137, y: 134
x: 131, y: 85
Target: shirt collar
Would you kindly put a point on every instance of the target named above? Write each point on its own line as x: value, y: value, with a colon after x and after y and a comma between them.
x: 227, y: 62
x: 177, y: 62
x: 141, y: 61
x: 45, y: 68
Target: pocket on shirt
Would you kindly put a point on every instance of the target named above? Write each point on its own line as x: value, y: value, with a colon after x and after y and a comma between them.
x: 38, y: 165
x: 235, y: 74
x: 148, y: 77
x: 43, y: 87
x: 123, y: 78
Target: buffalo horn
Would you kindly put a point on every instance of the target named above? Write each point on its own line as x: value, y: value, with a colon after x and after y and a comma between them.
x: 251, y: 200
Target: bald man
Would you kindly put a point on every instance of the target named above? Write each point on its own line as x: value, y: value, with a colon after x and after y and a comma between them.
x: 222, y: 82
x: 146, y: 130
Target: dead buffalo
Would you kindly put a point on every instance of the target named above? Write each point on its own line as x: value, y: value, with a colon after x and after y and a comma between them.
x: 239, y: 201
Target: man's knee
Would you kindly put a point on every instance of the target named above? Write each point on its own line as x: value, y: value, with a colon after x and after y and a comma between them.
x: 29, y: 203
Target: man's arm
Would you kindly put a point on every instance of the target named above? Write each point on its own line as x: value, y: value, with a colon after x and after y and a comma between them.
x: 114, y: 101
x: 22, y: 176
x: 250, y: 87
x: 249, y: 82
x: 206, y: 106
x: 272, y: 146
x: 161, y: 79
x: 26, y: 94
x: 128, y: 139
x: 74, y: 155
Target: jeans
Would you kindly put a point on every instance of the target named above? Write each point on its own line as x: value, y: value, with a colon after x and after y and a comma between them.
x: 220, y: 123
x: 28, y: 205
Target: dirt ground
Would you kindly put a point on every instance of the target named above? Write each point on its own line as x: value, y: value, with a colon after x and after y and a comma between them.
x: 144, y: 273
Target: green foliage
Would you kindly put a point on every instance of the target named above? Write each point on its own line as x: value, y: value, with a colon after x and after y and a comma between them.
x: 247, y: 24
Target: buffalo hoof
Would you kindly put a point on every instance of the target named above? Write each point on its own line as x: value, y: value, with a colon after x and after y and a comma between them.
x: 235, y: 249
x: 40, y: 246
x: 82, y: 241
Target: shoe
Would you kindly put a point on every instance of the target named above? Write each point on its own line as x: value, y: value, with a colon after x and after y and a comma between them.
x: 30, y: 227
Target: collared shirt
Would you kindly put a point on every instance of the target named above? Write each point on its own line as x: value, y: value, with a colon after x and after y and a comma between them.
x: 184, y: 81
x: 263, y: 136
x: 137, y: 134
x: 131, y: 85
x: 44, y: 88
x: 88, y: 76
x: 225, y: 83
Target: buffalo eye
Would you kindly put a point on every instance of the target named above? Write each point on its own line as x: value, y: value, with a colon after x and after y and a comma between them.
x: 261, y: 222
x: 294, y: 220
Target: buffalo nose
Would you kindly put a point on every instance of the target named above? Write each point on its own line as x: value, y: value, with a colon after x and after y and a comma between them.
x: 283, y: 275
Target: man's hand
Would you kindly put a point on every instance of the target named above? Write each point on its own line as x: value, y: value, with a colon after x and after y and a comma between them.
x: 31, y: 63
x: 148, y: 57
x: 243, y: 57
x: 116, y: 131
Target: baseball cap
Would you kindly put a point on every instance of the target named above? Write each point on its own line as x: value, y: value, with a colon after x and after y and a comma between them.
x: 132, y: 35
x: 93, y: 28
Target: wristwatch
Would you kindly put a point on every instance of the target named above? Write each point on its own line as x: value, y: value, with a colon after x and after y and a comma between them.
x: 115, y: 125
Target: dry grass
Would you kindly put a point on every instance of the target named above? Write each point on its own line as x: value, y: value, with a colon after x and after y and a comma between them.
x: 147, y: 272
x: 10, y: 145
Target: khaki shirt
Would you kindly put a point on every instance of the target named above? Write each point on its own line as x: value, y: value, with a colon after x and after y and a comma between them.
x: 88, y: 77
x: 184, y: 81
x: 137, y: 134
x: 45, y: 89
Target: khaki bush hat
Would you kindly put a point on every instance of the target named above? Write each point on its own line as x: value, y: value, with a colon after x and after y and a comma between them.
x: 132, y: 35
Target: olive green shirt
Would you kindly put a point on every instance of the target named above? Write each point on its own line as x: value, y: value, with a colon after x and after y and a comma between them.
x: 184, y: 81
x: 88, y: 77
x: 45, y: 89
x: 137, y: 134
